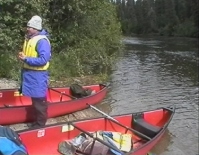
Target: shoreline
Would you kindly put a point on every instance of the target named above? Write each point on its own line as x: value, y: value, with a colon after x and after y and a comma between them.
x: 7, y: 84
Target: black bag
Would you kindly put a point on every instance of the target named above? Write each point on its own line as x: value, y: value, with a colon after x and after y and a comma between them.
x: 78, y: 91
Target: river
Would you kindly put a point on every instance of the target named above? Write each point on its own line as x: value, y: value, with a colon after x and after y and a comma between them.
x: 155, y: 72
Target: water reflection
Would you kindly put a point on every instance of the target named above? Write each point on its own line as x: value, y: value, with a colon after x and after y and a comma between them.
x: 156, y: 72
x: 163, y: 145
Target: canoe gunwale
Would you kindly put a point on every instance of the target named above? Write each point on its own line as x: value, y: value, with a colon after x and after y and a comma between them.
x: 26, y: 106
x: 55, y: 109
x: 87, y: 119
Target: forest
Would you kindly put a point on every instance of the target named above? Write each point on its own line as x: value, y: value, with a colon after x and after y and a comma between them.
x: 159, y: 17
x: 86, y: 35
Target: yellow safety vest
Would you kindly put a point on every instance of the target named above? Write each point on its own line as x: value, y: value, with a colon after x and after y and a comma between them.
x: 122, y: 141
x: 29, y: 49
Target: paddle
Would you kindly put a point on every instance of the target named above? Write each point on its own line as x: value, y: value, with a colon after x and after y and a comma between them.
x: 63, y: 93
x: 117, y: 122
x: 98, y: 139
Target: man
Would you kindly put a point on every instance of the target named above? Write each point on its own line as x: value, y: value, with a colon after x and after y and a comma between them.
x: 35, y: 56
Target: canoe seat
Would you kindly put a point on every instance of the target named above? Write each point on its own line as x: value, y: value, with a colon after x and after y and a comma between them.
x: 144, y: 127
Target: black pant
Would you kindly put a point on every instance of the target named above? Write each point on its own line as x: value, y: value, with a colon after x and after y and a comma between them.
x: 40, y: 109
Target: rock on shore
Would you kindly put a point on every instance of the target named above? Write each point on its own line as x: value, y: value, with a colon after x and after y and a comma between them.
x: 5, y: 84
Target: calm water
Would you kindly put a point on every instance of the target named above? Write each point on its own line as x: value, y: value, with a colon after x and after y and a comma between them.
x: 156, y: 72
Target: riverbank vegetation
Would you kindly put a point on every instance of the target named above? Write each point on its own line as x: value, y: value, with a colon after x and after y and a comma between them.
x: 85, y: 35
x: 159, y: 17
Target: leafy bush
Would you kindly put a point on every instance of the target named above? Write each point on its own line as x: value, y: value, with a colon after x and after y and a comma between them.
x: 85, y: 35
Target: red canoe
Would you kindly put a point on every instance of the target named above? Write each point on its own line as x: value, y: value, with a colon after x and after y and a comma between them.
x: 145, y: 129
x: 17, y: 109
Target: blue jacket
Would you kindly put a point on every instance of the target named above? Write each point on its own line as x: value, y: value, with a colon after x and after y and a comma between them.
x: 7, y: 147
x: 10, y: 142
x: 35, y: 83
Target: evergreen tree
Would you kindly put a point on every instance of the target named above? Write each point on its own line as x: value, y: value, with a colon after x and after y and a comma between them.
x: 145, y: 14
x: 139, y: 16
x: 181, y: 9
x: 131, y: 16
x: 165, y: 17
x: 152, y: 20
x: 159, y: 9
x: 195, y: 11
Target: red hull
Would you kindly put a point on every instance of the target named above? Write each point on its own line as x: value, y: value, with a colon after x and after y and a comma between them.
x: 18, y: 109
x: 46, y: 140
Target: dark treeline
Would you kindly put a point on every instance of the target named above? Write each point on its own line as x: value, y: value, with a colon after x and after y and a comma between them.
x: 160, y: 17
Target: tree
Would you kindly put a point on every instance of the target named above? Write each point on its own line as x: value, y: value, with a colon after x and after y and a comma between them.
x: 78, y: 30
x: 139, y: 16
x: 146, y: 15
x: 131, y: 16
x: 181, y: 9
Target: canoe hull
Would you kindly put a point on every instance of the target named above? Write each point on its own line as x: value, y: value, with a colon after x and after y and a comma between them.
x: 20, y: 114
x: 146, y: 149
x: 48, y: 138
